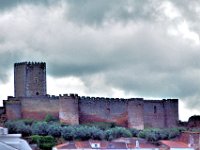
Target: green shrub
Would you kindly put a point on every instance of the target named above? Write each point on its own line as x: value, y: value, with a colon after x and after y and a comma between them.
x: 117, y: 132
x: 40, y: 128
x: 102, y: 125
x: 18, y: 127
x: 25, y: 130
x: 134, y: 132
x: 12, y: 126
x: 152, y: 137
x: 54, y: 130
x: 174, y: 132
x: 96, y: 133
x: 154, y: 134
x: 86, y: 133
x: 82, y: 133
x: 68, y: 133
x: 49, y: 118
x: 142, y: 133
x: 44, y: 142
x: 164, y: 134
x: 28, y: 121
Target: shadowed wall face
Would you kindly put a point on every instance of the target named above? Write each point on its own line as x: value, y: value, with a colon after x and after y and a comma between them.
x: 103, y: 110
x: 171, y: 113
x: 161, y: 113
x: 154, y: 114
x: 20, y: 79
x: 13, y: 110
x: 38, y: 108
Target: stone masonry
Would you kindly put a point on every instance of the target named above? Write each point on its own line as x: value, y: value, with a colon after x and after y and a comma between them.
x: 32, y: 101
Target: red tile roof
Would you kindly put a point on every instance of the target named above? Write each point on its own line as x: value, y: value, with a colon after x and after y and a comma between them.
x: 174, y: 144
x: 82, y: 144
x: 116, y: 145
x: 131, y: 142
x: 68, y: 145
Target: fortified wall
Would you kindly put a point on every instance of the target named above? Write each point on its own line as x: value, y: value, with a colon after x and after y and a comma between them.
x: 31, y: 101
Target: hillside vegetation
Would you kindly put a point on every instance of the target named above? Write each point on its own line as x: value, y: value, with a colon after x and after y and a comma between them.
x: 48, y: 133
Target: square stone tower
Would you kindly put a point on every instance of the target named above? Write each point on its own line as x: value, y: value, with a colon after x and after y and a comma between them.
x: 30, y: 79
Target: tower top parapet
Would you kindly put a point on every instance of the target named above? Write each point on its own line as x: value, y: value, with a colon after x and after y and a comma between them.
x: 29, y: 63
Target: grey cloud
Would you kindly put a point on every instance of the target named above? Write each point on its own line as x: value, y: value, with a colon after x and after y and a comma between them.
x: 97, y: 12
x: 7, y: 59
x: 8, y: 4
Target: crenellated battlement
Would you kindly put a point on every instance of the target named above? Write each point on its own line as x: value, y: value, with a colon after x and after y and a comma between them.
x: 29, y: 63
x: 161, y: 101
x: 20, y: 64
x: 108, y: 99
x: 88, y: 98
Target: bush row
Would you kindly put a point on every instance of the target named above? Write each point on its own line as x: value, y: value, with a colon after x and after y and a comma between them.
x: 154, y: 135
x: 68, y: 132
x: 85, y: 132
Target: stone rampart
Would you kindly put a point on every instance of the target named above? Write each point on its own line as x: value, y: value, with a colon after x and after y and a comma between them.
x: 99, y: 109
x: 154, y: 113
x: 13, y: 109
x: 68, y: 109
x: 160, y: 113
x: 136, y: 114
x: 171, y: 112
x: 72, y: 109
x: 38, y: 107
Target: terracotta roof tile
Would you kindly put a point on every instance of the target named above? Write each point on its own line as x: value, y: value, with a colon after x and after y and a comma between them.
x: 68, y: 145
x: 174, y: 144
x: 82, y: 144
x: 116, y: 145
x: 131, y: 142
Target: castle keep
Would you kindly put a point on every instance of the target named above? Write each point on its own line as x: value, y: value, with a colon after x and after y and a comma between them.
x: 32, y: 101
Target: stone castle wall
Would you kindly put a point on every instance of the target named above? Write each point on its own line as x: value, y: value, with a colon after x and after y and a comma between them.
x: 136, y: 114
x: 154, y: 114
x: 171, y: 111
x: 13, y: 109
x: 31, y: 101
x: 93, y: 109
x: 68, y: 109
x: 38, y: 107
x: 72, y: 109
x: 161, y: 114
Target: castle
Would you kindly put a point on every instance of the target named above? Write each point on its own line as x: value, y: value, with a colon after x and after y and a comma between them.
x: 31, y: 101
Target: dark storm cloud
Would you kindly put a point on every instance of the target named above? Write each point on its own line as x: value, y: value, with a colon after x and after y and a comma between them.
x: 122, y: 44
x: 97, y: 12
x: 9, y: 4
x: 7, y: 59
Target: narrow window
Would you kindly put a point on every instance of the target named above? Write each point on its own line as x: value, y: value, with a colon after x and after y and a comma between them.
x: 155, y: 110
x: 108, y: 111
x: 36, y: 80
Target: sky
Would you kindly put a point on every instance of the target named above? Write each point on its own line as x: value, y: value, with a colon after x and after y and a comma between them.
x: 106, y: 48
